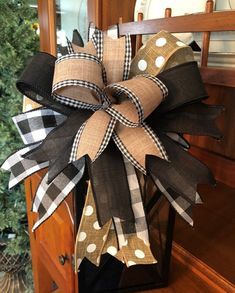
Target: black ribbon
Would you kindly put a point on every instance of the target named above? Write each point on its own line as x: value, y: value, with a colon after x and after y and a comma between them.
x: 36, y: 82
x: 112, y: 199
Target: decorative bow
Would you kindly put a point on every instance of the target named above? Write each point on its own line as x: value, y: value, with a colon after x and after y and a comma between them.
x: 91, y: 87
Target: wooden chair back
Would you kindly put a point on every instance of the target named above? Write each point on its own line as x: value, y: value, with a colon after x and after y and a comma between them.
x: 202, y: 22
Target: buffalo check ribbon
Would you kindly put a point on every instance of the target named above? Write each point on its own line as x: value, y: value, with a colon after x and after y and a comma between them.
x: 105, y: 117
x: 33, y: 127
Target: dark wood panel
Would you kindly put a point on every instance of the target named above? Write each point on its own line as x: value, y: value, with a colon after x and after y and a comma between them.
x: 183, y: 280
x: 113, y: 10
x: 105, y: 12
x: 218, y: 21
x: 218, y: 76
x: 222, y: 168
x: 212, y: 238
x: 225, y: 147
x: 94, y: 9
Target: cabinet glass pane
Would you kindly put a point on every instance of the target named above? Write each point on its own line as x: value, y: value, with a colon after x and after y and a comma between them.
x: 70, y: 15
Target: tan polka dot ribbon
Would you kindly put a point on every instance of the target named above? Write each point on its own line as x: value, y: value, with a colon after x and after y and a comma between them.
x: 100, y: 82
x: 162, y: 51
x: 92, y: 240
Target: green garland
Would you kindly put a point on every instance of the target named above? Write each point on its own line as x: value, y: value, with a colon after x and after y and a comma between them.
x: 19, y: 41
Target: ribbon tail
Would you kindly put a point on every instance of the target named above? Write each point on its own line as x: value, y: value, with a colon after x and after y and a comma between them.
x: 198, y: 199
x: 182, y: 206
x: 179, y: 139
x: 62, y: 160
x: 178, y: 178
x: 133, y: 237
x: 195, y: 119
x: 97, y: 129
x: 77, y: 38
x: 191, y: 168
x: 172, y: 178
x: 34, y: 126
x: 110, y: 186
x: 69, y: 47
x: 91, y: 236
x: 49, y: 196
x: 139, y: 225
x: 135, y: 143
x: 54, y: 143
x: 93, y: 240
x: 21, y: 168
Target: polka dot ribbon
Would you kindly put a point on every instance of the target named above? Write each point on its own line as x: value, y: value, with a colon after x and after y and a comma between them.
x: 92, y: 240
x: 162, y: 51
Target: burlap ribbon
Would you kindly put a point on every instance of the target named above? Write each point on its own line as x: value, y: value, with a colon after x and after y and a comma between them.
x: 90, y: 85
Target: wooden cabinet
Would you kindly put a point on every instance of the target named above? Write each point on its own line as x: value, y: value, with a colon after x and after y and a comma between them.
x: 52, y: 245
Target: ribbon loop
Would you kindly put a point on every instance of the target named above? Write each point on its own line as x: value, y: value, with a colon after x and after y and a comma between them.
x: 84, y: 85
x: 137, y: 98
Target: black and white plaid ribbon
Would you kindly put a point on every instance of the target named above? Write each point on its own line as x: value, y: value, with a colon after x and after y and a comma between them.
x: 73, y: 155
x: 49, y: 196
x: 140, y: 225
x: 97, y: 40
x: 34, y: 126
x: 127, y: 61
x: 179, y: 203
x: 69, y: 46
x: 21, y: 168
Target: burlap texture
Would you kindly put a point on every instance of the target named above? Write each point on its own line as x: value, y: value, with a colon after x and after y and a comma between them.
x: 79, y: 69
x: 89, y: 233
x: 80, y: 93
x: 93, y: 134
x: 127, y: 109
x: 88, y: 48
x: 148, y: 93
x: 156, y: 55
x: 138, y: 142
x: 113, y: 58
x: 92, y: 241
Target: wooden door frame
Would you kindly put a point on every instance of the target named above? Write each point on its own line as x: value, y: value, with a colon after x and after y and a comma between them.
x: 42, y: 278
x: 47, y: 24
